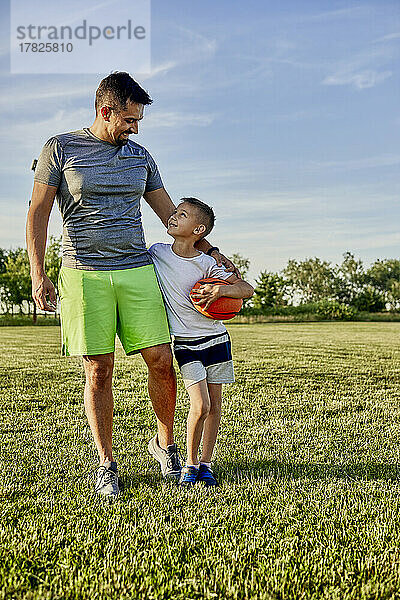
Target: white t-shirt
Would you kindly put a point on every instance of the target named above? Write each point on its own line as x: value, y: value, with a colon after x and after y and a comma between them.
x: 176, y: 276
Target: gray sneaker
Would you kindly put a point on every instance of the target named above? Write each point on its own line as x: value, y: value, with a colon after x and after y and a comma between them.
x: 107, y: 481
x: 168, y: 459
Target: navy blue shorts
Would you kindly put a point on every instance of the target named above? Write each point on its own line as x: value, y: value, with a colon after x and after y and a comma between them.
x: 207, y: 358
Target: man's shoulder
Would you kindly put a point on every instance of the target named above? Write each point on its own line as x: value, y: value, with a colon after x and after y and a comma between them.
x: 135, y: 148
x: 70, y: 136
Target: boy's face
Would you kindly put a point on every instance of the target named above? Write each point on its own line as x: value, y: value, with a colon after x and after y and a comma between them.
x: 185, y: 222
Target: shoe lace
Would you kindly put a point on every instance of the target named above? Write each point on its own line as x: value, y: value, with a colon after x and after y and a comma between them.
x: 107, y: 475
x: 174, y: 459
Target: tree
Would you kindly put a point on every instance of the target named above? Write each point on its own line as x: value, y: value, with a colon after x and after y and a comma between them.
x: 3, y: 260
x: 53, y: 259
x: 269, y: 290
x: 369, y: 299
x: 16, y: 280
x: 393, y: 295
x: 384, y: 275
x: 311, y: 279
x: 382, y: 272
x: 350, y: 279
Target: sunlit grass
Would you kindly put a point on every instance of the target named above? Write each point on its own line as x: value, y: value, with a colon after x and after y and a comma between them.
x: 307, y: 458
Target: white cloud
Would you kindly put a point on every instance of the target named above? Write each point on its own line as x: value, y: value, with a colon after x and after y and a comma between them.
x: 161, y: 69
x: 388, y: 37
x: 364, y: 69
x: 361, y: 80
x: 35, y: 133
x: 21, y: 96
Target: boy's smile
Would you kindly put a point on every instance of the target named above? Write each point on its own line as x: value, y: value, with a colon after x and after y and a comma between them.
x: 183, y: 221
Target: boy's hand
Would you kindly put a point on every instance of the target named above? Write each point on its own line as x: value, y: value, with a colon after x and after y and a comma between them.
x: 206, y: 294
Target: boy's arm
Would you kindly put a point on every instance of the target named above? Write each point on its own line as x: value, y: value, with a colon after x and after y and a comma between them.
x: 207, y: 294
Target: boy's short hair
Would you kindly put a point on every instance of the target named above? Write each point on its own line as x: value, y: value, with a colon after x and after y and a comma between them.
x: 118, y: 89
x: 205, y: 212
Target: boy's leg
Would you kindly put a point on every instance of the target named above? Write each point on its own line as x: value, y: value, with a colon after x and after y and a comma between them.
x: 211, y: 423
x: 198, y: 413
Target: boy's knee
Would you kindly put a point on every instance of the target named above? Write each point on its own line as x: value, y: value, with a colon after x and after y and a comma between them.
x: 202, y: 409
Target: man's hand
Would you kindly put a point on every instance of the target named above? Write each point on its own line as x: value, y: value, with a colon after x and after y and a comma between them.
x: 222, y: 260
x: 207, y: 294
x: 41, y: 288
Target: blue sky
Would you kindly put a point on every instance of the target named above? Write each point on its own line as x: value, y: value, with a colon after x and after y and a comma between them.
x: 285, y: 117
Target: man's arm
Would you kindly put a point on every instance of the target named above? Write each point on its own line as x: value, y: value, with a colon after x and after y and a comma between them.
x: 36, y: 235
x: 160, y: 201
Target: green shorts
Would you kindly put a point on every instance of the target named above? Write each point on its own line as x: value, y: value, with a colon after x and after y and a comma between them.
x: 96, y: 305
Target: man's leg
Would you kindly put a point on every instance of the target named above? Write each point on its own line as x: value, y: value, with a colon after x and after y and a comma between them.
x: 99, y: 402
x: 162, y: 390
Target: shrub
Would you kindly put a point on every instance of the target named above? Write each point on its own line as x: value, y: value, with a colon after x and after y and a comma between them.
x: 334, y: 310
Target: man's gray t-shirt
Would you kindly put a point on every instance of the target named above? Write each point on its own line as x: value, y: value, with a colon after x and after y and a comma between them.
x: 99, y: 190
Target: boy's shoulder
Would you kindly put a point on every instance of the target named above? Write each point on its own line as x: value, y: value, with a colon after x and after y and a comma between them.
x: 159, y: 248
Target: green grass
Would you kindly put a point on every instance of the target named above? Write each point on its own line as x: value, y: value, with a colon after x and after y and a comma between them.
x: 308, y: 460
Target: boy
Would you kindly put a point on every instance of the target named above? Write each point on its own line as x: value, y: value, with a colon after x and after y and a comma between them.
x: 202, y: 346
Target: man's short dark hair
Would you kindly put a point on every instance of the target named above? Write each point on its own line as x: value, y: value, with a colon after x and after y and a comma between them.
x: 206, y: 213
x: 117, y: 89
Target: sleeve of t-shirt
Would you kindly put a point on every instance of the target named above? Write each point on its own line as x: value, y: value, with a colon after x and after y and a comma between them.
x: 154, y: 181
x: 215, y: 271
x: 152, y: 249
x: 156, y: 251
x: 50, y: 163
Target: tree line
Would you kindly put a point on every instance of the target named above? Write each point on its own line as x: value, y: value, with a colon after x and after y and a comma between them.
x: 15, y: 279
x: 331, y: 290
x: 328, y: 289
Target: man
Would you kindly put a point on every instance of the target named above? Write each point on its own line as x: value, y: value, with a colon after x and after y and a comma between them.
x: 107, y: 281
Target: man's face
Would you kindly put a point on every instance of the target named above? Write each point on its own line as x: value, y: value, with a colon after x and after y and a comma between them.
x: 122, y: 123
x: 184, y: 221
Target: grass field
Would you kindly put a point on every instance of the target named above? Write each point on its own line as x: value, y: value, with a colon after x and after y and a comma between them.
x: 308, y: 460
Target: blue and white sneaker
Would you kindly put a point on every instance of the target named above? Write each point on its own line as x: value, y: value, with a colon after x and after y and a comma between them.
x: 206, y: 476
x: 188, y: 476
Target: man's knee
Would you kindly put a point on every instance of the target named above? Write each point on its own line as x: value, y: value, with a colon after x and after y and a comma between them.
x: 99, y: 369
x: 159, y: 359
